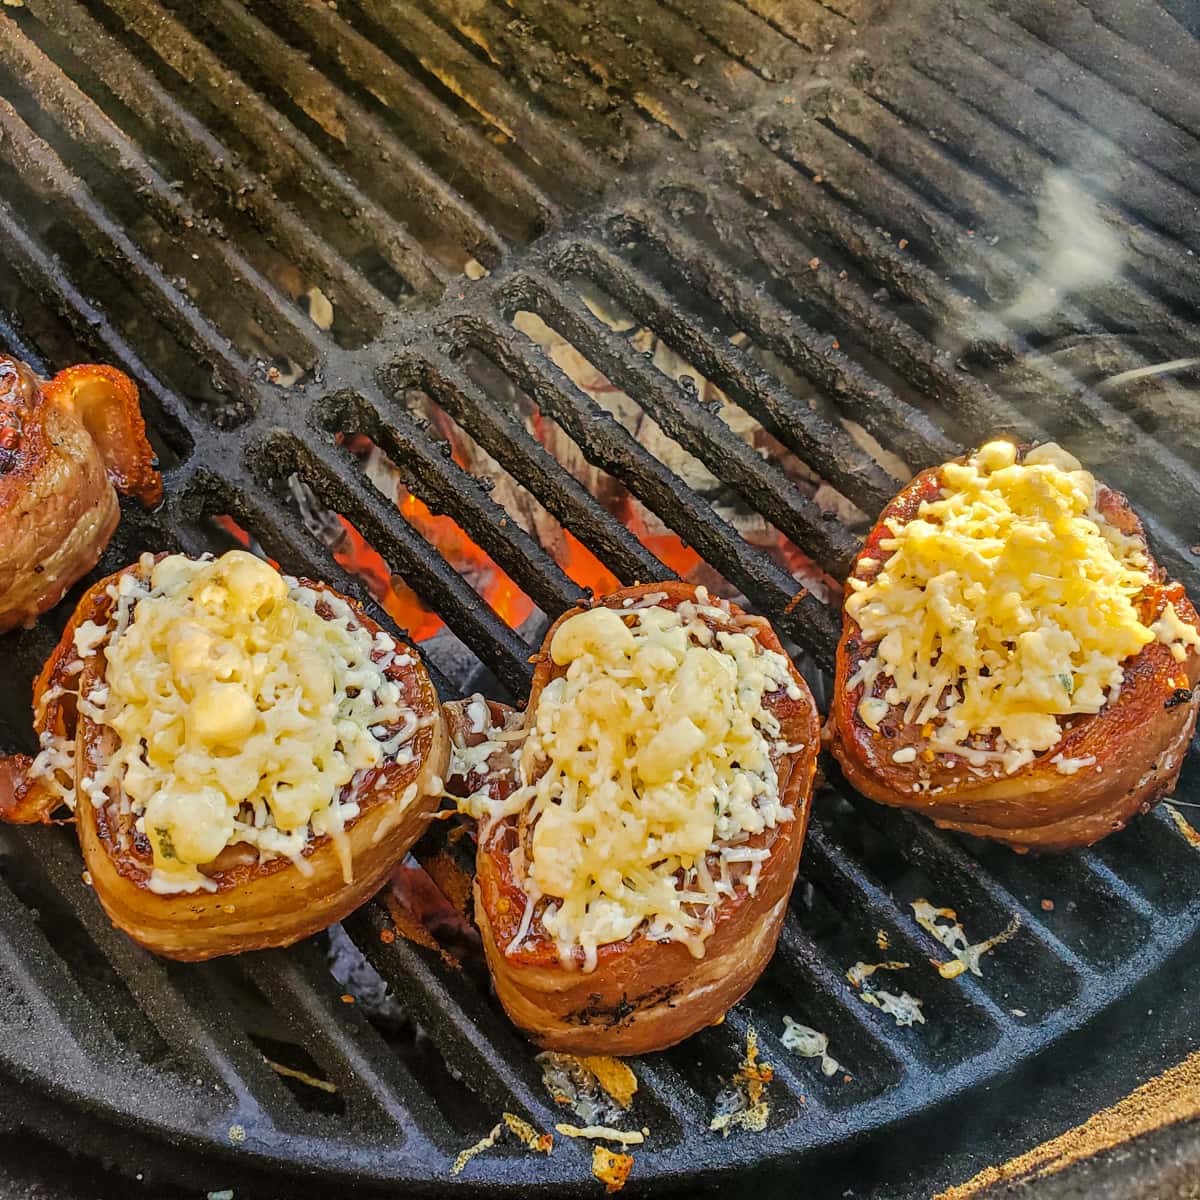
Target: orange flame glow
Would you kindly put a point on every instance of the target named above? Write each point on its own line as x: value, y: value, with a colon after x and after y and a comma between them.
x: 496, y: 588
x: 503, y: 596
x: 235, y: 531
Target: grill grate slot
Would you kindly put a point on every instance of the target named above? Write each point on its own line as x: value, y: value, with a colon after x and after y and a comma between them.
x: 464, y: 158
x: 1006, y: 153
x: 628, y: 69
x: 446, y: 487
x: 1036, y: 972
x: 506, y: 438
x: 1122, y: 452
x: 1156, y: 30
x: 235, y: 193
x: 501, y: 1068
x: 287, y: 160
x: 609, y: 446
x: 88, y: 333
x: 368, y: 1075
x: 63, y: 908
x: 446, y: 226
x: 1153, y: 181
x: 743, y: 36
x: 815, y: 440
x: 959, y: 1021
x: 182, y: 240
x: 340, y: 487
x: 810, y: 24
x: 1154, y: 859
x: 682, y: 418
x: 484, y: 92
x: 1087, y: 896
x: 815, y: 356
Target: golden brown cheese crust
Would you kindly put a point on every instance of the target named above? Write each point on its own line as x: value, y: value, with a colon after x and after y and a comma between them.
x: 1138, y: 742
x: 64, y: 444
x: 256, y: 904
x: 646, y: 995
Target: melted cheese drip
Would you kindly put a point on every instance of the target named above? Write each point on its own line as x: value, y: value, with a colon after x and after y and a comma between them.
x: 240, y: 713
x: 651, y: 768
x: 1006, y: 603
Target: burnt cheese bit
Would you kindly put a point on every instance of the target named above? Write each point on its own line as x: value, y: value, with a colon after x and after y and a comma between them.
x: 1178, y: 696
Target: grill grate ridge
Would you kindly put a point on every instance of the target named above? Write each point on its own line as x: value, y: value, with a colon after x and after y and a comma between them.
x: 703, y: 434
x: 816, y: 440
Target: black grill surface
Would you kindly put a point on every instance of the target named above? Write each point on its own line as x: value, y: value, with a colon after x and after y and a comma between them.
x: 855, y: 219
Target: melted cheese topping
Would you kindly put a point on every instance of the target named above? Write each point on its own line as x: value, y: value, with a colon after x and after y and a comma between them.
x: 646, y: 768
x: 1006, y: 603
x: 240, y: 713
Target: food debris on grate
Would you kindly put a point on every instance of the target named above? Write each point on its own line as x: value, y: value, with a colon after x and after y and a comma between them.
x: 742, y: 1102
x: 541, y: 1143
x: 944, y: 925
x: 904, y: 1008
x: 809, y: 1043
x: 611, y: 1167
x: 1187, y: 831
x: 597, y: 1088
x: 623, y: 1137
x: 423, y: 915
x: 303, y: 1077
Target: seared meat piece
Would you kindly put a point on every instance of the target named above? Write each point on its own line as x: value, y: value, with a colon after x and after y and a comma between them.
x: 288, y: 754
x: 64, y: 445
x: 637, y: 850
x: 1026, y: 603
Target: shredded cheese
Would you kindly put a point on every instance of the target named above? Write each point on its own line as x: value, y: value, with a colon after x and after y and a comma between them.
x: 944, y: 925
x: 1005, y: 603
x: 622, y: 1137
x: 904, y: 1009
x: 809, y: 1043
x: 611, y: 1168
x: 240, y: 713
x: 647, y: 768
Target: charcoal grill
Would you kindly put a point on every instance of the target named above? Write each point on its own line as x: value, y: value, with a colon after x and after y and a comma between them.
x: 291, y: 220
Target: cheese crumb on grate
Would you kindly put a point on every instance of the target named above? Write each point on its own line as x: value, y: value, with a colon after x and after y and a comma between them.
x: 240, y: 713
x: 647, y: 768
x: 1005, y: 603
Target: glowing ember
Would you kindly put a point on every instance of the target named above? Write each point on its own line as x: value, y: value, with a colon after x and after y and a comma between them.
x: 242, y: 536
x: 581, y: 565
x: 495, y: 587
x: 402, y: 604
x: 507, y: 600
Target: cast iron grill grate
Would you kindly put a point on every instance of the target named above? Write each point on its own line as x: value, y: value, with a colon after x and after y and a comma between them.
x: 295, y: 223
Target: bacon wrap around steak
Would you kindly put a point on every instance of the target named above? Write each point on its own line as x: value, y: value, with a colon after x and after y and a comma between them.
x: 645, y: 995
x: 256, y: 904
x: 65, y: 445
x: 1138, y: 742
